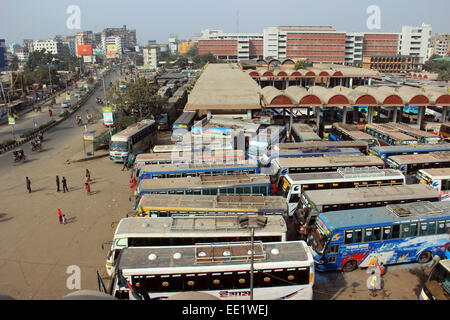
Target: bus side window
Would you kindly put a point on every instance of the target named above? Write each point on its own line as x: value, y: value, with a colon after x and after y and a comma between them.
x: 445, y: 185
x: 386, y: 233
x: 395, y: 231
x: 376, y: 234
x: 368, y: 235
x: 441, y: 229
x: 334, y: 249
x: 348, y: 237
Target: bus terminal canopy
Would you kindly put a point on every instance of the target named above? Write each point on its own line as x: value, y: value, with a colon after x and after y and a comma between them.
x: 362, y: 96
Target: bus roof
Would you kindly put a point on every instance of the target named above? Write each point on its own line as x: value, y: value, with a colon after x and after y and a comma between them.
x: 413, y: 148
x: 441, y: 156
x: 211, y: 256
x: 376, y: 193
x: 249, y: 203
x: 176, y: 167
x: 353, y: 131
x: 416, y: 211
x: 188, y: 155
x: 322, y: 144
x: 346, y: 173
x: 334, y: 160
x: 186, y: 117
x: 132, y: 129
x: 302, y: 127
x: 202, y: 182
x: 195, y: 226
x: 443, y: 173
x: 299, y: 152
x: 404, y: 127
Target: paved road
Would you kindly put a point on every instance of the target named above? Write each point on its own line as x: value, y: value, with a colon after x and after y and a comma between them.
x: 54, y: 138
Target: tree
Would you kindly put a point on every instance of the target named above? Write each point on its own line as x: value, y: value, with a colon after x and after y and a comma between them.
x: 39, y: 58
x: 139, y: 99
x: 14, y: 63
x: 300, y: 64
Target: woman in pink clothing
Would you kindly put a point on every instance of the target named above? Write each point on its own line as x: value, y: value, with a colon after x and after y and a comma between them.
x: 60, y: 216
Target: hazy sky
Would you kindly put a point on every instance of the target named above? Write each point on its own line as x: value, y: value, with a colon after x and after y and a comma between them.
x: 156, y: 20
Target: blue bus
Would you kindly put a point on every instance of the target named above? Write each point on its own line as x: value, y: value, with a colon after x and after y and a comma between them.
x: 303, y: 153
x: 383, y: 152
x: 179, y: 170
x: 410, y: 232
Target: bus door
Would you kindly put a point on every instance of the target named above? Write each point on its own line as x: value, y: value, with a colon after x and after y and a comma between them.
x: 332, y: 252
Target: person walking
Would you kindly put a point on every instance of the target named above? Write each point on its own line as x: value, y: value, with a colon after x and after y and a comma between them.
x: 28, y: 181
x: 373, y: 283
x: 60, y: 216
x: 64, y: 219
x: 88, y: 188
x: 64, y: 184
x: 88, y: 176
x: 125, y: 163
x: 57, y: 183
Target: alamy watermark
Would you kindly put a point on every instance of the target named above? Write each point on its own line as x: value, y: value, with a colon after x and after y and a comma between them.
x: 374, y: 20
x: 74, y: 20
x: 73, y: 282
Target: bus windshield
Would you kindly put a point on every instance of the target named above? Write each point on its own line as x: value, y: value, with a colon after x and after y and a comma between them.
x: 439, y: 283
x: 318, y: 237
x: 118, y: 146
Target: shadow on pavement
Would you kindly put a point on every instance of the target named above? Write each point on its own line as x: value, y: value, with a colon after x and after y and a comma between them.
x: 2, y: 217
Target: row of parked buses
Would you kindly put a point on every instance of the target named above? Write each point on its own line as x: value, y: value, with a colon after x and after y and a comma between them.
x: 195, y: 209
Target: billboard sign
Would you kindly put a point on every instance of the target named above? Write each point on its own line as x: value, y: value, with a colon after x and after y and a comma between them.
x: 84, y: 50
x: 99, y: 52
x: 88, y: 136
x: 108, y: 116
x: 211, y: 132
x: 11, y: 120
x: 112, y: 50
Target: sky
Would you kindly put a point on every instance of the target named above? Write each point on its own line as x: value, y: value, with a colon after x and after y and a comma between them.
x: 156, y: 20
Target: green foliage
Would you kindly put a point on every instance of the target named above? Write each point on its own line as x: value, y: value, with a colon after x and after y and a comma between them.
x: 200, y: 60
x: 440, y: 67
x: 40, y: 75
x: 39, y: 58
x: 13, y: 64
x: 300, y: 65
x: 139, y: 99
x: 192, y: 52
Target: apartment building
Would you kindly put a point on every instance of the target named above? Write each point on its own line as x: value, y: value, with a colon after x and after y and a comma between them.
x: 53, y: 46
x: 439, y: 44
x: 414, y: 41
x: 391, y: 63
x: 150, y: 56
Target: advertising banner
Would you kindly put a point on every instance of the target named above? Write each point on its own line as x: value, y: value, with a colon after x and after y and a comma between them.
x: 112, y: 50
x: 215, y: 132
x: 88, y: 136
x: 84, y: 50
x: 99, y: 52
x: 11, y: 120
x: 67, y: 96
x: 108, y: 116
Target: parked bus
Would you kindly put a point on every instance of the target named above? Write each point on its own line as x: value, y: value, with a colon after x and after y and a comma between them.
x: 293, y: 185
x: 241, y: 184
x: 347, y: 132
x: 388, y: 136
x: 383, y: 152
x: 167, y: 116
x: 304, y: 133
x: 314, y: 202
x: 411, y: 163
x: 282, y: 270
x: 194, y: 147
x: 438, y: 178
x: 266, y: 138
x: 188, y: 230
x: 398, y: 233
x: 139, y: 137
x: 163, y: 205
x: 178, y: 170
x: 228, y: 156
x: 444, y: 130
x: 363, y: 146
x: 437, y: 286
x: 304, y: 153
x: 182, y: 125
x: 420, y: 135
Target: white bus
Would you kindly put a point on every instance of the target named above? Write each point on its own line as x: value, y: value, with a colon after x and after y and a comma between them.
x: 293, y: 185
x: 266, y: 139
x: 282, y: 270
x: 189, y: 230
x: 138, y: 137
x: 411, y: 163
x: 438, y: 178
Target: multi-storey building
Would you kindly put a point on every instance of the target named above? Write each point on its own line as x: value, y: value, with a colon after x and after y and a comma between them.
x: 113, y: 45
x: 2, y: 54
x: 128, y: 36
x: 391, y: 63
x: 439, y: 44
x: 150, y: 56
x: 53, y: 46
x: 414, y: 41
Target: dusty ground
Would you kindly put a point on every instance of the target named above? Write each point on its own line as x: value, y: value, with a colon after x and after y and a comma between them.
x: 37, y: 251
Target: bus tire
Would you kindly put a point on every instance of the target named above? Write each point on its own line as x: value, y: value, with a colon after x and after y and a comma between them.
x: 424, y: 257
x: 350, y: 266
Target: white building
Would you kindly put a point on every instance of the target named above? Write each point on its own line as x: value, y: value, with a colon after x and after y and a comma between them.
x: 354, y: 44
x: 52, y: 46
x: 440, y: 45
x: 117, y: 41
x: 414, y: 41
x: 150, y: 56
x: 173, y: 44
x: 22, y: 55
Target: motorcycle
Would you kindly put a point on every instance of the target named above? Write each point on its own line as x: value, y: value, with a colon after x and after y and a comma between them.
x: 40, y: 136
x: 90, y: 118
x: 79, y: 121
x: 36, y: 145
x: 19, y: 155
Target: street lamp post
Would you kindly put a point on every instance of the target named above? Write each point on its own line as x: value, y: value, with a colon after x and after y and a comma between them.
x: 252, y: 223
